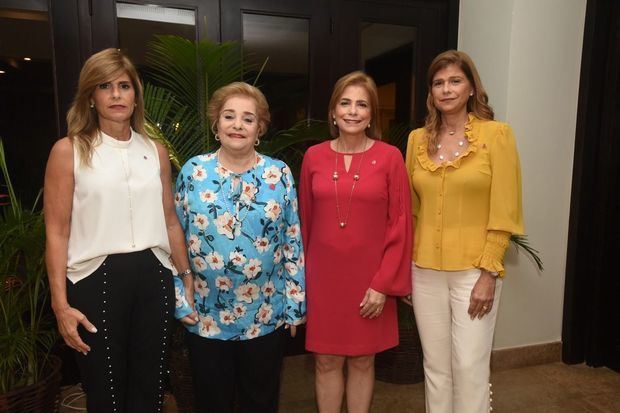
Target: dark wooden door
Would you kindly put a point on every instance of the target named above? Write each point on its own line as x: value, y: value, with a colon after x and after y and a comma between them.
x: 394, y: 42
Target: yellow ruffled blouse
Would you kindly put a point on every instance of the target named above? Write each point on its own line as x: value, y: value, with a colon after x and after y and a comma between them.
x: 466, y: 209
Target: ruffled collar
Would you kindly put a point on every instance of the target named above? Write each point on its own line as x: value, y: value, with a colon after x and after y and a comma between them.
x: 428, y: 164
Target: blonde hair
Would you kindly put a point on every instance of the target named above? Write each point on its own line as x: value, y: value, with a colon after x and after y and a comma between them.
x: 224, y: 93
x: 357, y: 78
x: 82, y: 120
x: 476, y: 104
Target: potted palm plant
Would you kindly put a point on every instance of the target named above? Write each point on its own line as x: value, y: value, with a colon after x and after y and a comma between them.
x: 29, y: 375
x: 185, y: 74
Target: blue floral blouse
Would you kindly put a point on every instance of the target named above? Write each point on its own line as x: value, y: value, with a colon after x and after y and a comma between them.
x: 244, y: 246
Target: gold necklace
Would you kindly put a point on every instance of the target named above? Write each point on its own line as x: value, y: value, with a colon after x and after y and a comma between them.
x: 342, y: 222
x: 125, y: 163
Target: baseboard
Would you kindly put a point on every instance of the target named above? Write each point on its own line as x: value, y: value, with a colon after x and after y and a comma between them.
x: 511, y: 358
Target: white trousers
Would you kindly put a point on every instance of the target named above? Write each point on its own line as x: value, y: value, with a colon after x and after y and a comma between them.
x: 457, y: 349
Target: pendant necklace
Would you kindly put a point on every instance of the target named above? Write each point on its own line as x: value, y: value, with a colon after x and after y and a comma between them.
x: 232, y: 195
x: 456, y: 154
x: 342, y: 221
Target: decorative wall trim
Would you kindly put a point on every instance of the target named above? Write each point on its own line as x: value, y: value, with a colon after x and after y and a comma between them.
x: 516, y: 357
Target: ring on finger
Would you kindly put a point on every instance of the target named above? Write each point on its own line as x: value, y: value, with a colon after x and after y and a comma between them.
x: 484, y: 307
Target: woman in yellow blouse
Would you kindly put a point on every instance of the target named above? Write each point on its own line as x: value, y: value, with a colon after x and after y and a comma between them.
x: 466, y: 188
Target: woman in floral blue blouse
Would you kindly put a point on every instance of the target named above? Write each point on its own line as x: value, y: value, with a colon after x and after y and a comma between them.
x: 238, y: 209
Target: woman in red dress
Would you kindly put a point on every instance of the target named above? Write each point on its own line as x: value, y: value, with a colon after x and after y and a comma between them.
x: 356, y: 228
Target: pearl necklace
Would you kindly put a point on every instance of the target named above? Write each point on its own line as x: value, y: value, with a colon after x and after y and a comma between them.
x: 455, y: 153
x: 342, y: 222
x: 231, y: 193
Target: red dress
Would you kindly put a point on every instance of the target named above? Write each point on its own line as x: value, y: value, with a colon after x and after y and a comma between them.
x: 373, y: 250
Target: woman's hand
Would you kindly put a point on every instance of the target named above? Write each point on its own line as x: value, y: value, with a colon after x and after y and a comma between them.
x: 68, y: 320
x: 372, y: 304
x: 407, y: 300
x: 192, y: 318
x: 293, y: 329
x: 481, y: 299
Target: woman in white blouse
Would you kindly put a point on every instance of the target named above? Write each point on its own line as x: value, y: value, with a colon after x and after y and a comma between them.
x: 111, y: 229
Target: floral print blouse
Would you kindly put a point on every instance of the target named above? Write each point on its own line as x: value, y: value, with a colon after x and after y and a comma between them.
x: 244, y: 246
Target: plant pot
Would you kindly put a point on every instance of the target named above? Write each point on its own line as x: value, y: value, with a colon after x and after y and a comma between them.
x: 41, y: 397
x: 403, y: 363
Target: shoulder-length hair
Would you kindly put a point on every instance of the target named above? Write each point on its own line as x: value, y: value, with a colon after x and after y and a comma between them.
x: 357, y: 78
x: 220, y: 96
x: 82, y: 120
x: 476, y: 104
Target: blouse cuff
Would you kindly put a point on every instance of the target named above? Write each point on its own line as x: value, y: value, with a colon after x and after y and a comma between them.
x: 295, y: 321
x: 492, y: 258
x: 182, y: 307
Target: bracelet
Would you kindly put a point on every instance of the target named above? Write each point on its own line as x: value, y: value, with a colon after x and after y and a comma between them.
x: 184, y: 273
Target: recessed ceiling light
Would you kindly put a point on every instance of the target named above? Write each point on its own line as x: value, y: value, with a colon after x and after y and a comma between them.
x: 27, y: 59
x: 2, y: 72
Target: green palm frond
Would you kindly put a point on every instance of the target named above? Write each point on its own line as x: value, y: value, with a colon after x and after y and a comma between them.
x: 302, y: 131
x: 176, y: 126
x: 186, y: 74
x: 27, y: 329
x: 522, y: 242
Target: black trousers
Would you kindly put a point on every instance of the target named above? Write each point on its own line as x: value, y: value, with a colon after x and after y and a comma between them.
x: 130, y: 299
x: 250, y: 369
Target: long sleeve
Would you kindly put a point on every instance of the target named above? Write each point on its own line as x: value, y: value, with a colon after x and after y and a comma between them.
x: 182, y: 307
x: 305, y: 199
x: 294, y: 262
x: 394, y: 274
x: 505, y: 213
x: 409, y: 163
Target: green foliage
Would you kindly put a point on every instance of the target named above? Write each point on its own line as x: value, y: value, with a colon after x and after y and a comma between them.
x: 186, y: 74
x: 521, y: 242
x: 27, y: 330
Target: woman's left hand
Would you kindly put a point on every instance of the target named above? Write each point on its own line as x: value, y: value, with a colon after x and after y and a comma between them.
x: 372, y: 304
x: 192, y: 318
x: 292, y: 328
x: 482, y: 295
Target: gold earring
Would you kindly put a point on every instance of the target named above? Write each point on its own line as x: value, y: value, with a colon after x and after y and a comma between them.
x: 334, y: 121
x: 92, y: 105
x: 257, y: 142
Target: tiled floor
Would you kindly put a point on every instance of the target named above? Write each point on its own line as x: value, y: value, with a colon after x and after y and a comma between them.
x: 548, y: 388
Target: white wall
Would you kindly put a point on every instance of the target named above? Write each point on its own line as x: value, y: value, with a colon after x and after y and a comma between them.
x: 528, y: 53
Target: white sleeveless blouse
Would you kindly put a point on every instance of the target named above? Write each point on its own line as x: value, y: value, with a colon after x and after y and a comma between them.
x: 117, y: 205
